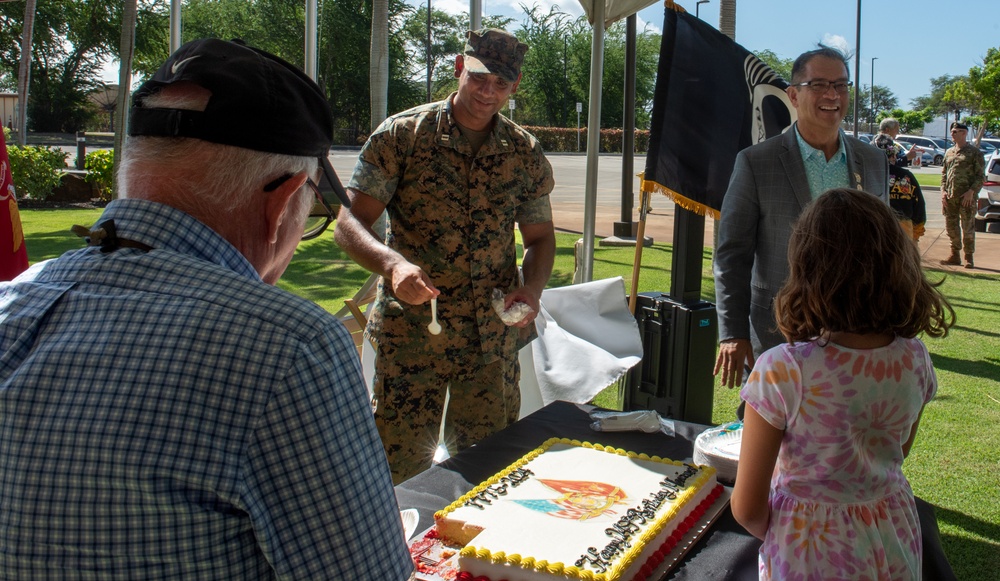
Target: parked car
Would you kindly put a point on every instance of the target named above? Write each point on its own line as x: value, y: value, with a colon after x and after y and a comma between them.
x: 987, y: 148
x: 927, y: 144
x: 988, y: 209
x: 944, y: 144
x: 990, y: 142
x: 926, y: 157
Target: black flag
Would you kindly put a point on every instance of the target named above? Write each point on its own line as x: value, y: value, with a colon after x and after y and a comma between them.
x: 713, y: 98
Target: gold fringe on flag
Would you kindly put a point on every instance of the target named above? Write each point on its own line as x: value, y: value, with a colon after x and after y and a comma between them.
x: 649, y: 187
x: 673, y: 6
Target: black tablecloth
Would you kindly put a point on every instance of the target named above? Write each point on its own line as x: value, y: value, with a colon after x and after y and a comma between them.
x: 726, y: 551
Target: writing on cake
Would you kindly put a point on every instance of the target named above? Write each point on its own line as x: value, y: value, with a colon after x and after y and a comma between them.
x: 629, y: 525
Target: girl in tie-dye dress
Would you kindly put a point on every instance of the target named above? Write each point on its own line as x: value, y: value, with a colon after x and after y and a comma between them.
x: 832, y: 414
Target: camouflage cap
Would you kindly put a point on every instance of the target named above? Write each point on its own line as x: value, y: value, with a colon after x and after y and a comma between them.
x: 494, y: 51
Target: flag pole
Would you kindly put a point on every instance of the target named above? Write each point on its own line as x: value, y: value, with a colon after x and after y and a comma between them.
x: 640, y: 240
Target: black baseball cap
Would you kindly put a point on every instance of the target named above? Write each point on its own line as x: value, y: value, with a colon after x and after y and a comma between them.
x: 258, y: 102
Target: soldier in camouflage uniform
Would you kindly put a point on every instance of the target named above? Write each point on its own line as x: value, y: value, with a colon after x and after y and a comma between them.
x: 454, y: 177
x: 961, y: 179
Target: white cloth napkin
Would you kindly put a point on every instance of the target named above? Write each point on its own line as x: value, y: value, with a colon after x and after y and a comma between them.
x: 587, y: 340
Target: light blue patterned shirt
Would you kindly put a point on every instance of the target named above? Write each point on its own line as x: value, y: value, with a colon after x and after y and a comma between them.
x: 168, y: 415
x: 824, y: 175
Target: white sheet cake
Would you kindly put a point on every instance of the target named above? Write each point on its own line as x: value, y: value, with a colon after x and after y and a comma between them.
x: 574, y: 510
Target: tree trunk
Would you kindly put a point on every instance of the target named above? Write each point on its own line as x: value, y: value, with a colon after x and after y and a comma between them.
x: 127, y: 50
x: 379, y: 67
x: 727, y: 18
x: 24, y: 73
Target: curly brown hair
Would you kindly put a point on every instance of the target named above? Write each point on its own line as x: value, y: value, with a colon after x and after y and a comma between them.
x: 853, y: 269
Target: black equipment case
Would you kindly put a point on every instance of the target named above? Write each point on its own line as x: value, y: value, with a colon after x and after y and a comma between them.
x: 675, y: 374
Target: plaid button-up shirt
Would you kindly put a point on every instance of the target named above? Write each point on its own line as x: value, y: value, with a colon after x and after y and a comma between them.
x: 167, y: 415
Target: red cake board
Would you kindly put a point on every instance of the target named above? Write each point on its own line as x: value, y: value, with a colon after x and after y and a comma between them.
x: 439, y: 562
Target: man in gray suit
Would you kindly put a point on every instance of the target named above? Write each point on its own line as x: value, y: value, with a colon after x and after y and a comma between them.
x: 771, y: 184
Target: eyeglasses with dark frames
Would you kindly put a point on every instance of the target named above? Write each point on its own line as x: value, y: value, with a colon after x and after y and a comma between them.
x: 820, y: 86
x: 320, y: 216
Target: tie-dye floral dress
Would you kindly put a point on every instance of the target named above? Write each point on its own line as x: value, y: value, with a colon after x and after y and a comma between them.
x: 840, y: 505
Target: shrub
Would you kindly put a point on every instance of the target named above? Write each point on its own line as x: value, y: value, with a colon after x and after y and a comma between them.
x: 555, y: 139
x: 100, y: 171
x: 36, y: 170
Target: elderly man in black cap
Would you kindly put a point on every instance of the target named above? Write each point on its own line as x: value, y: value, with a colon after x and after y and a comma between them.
x: 167, y: 412
x: 455, y: 176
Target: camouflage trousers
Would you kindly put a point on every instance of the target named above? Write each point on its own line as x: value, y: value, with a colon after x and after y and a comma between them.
x: 410, y: 396
x: 960, y: 224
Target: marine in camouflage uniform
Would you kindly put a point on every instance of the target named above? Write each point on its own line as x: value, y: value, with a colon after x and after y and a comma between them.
x: 452, y: 209
x: 961, y: 179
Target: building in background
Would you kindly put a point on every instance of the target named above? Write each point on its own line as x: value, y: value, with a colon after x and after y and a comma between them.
x: 8, y: 110
x: 938, y: 127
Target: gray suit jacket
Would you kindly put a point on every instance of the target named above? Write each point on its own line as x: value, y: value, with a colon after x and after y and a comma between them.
x: 767, y: 192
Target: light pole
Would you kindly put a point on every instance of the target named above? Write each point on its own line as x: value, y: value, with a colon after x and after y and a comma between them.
x: 871, y: 113
x: 579, y: 108
x: 857, y: 68
x: 697, y: 7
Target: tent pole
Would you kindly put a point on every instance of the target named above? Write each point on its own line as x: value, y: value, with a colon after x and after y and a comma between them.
x: 175, y: 25
x: 593, y: 142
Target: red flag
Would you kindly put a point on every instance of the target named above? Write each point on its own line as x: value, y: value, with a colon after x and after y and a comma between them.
x: 13, y: 254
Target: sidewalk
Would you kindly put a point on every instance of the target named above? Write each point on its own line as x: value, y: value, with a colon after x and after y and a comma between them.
x: 568, y: 213
x: 934, y: 244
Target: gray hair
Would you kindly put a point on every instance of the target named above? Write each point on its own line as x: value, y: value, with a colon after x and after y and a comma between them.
x: 208, y: 175
x: 888, y: 124
x: 212, y: 177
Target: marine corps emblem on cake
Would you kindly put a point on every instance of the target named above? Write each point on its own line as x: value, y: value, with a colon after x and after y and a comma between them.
x: 579, y: 500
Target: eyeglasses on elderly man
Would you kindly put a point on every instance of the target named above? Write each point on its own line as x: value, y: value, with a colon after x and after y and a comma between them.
x: 322, y: 213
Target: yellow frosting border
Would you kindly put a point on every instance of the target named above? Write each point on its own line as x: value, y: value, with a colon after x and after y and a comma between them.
x: 572, y: 571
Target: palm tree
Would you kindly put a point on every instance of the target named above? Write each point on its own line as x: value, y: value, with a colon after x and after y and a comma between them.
x: 24, y: 73
x: 127, y: 50
x: 105, y: 96
x: 727, y: 18
x: 378, y: 75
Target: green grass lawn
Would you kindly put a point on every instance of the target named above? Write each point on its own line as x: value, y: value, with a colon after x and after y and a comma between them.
x: 928, y: 179
x: 954, y: 465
